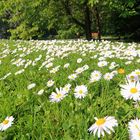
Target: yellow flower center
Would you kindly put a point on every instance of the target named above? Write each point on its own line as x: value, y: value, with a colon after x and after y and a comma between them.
x: 100, y: 121
x: 138, y: 73
x: 5, y: 122
x: 132, y: 77
x: 133, y: 90
x: 58, y: 95
x: 136, y: 126
x: 139, y: 133
x: 66, y: 88
x: 121, y: 71
x: 81, y: 91
x: 96, y: 75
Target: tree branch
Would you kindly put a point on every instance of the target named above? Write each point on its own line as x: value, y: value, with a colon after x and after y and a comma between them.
x: 69, y: 13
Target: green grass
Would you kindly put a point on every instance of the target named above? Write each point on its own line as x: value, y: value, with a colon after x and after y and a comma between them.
x: 37, y: 118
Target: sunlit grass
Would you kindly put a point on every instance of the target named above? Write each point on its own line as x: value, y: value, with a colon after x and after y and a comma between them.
x: 38, y: 118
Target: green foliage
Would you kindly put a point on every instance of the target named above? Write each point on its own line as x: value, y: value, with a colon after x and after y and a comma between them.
x: 68, y: 33
x: 25, y: 19
x: 93, y: 2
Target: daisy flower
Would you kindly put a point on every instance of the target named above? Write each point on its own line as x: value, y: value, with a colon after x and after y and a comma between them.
x: 49, y: 65
x: 80, y: 91
x: 79, y: 60
x: 137, y: 72
x: 134, y: 129
x: 128, y: 62
x: 72, y: 76
x: 19, y: 72
x: 108, y: 76
x: 40, y: 92
x: 85, y: 67
x: 132, y: 77
x: 66, y: 65
x: 67, y: 87
x: 103, y: 125
x: 50, y: 83
x: 79, y: 70
x: 4, y: 77
x: 58, y: 96
x: 131, y: 91
x: 31, y: 86
x: 102, y: 63
x: 6, y: 123
x: 95, y: 76
x: 114, y: 72
x: 101, y: 58
x: 53, y: 70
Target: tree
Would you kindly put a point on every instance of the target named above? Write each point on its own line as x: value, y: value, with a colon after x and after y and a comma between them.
x: 37, y: 19
x: 126, y: 15
x: 84, y: 8
x: 29, y: 19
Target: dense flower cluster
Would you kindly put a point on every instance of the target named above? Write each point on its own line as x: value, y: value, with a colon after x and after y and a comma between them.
x: 58, y: 70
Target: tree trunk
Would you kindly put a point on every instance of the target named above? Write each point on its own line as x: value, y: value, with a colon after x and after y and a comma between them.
x: 87, y: 23
x: 98, y: 23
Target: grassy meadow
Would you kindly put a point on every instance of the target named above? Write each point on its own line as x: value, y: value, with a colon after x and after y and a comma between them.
x: 54, y: 90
